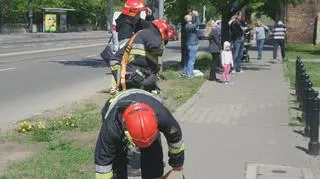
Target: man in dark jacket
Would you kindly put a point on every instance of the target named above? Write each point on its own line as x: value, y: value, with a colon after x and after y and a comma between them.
x: 237, y: 38
x: 136, y: 118
x: 214, y: 49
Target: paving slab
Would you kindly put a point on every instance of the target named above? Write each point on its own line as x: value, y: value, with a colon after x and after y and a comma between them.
x: 228, y: 126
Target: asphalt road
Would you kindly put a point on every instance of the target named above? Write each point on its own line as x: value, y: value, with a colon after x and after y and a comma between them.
x: 39, y: 76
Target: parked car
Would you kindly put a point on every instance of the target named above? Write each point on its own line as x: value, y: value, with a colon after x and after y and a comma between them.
x: 172, y: 34
x: 202, y: 30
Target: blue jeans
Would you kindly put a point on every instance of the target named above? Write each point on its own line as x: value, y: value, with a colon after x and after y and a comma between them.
x: 260, y: 44
x: 238, y: 53
x: 188, y: 65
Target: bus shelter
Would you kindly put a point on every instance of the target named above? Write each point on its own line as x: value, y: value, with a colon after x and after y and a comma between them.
x: 55, y: 20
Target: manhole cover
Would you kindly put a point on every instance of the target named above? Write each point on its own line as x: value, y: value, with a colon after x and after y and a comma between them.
x: 260, y: 171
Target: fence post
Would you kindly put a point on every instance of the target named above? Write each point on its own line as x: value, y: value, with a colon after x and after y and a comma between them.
x: 298, y: 63
x: 313, y: 147
x: 302, y: 84
x: 308, y: 109
x: 301, y: 71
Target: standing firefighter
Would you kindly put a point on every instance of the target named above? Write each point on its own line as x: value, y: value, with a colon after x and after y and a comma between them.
x: 136, y: 117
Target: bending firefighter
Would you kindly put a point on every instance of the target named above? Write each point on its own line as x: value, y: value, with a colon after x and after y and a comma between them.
x: 135, y: 118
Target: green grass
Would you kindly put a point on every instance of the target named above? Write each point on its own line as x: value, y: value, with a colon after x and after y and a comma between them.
x: 63, y: 162
x: 177, y: 89
x: 62, y: 158
x: 305, y: 51
x: 311, y: 67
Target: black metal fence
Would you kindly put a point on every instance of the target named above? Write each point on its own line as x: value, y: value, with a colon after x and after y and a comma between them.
x: 309, y: 103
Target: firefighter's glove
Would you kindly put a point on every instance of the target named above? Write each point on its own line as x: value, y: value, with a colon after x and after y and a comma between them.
x: 176, y: 160
x: 115, y: 67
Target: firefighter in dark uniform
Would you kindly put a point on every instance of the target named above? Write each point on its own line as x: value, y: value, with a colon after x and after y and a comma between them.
x: 127, y: 24
x: 136, y: 117
x: 142, y: 56
x: 130, y: 22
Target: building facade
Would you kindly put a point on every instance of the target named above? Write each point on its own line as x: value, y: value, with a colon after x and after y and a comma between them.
x: 301, y: 21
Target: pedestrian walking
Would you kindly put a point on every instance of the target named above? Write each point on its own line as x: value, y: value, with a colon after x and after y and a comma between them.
x: 260, y: 36
x: 279, y: 34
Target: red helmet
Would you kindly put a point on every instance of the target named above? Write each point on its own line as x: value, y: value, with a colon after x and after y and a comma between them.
x: 133, y: 7
x: 163, y: 28
x: 141, y: 123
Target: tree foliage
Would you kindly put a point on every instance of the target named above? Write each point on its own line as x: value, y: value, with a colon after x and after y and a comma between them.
x: 86, y: 11
x: 276, y: 8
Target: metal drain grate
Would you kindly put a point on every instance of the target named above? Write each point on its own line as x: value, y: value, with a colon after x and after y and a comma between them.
x: 260, y: 171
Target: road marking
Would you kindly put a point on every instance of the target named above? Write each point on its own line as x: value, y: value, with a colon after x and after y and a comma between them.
x: 29, y: 45
x: 89, y: 56
x: 7, y: 46
x: 7, y: 69
x: 49, y: 50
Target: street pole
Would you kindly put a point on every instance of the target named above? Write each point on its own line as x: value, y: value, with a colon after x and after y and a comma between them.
x: 110, y: 14
x: 204, y: 14
x: 161, y: 8
x: 30, y: 6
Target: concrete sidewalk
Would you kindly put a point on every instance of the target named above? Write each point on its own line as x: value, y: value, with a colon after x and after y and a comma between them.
x: 44, y: 37
x: 241, y: 130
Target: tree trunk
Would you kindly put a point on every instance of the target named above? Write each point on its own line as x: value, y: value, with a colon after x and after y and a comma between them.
x: 184, y: 9
x: 225, y: 32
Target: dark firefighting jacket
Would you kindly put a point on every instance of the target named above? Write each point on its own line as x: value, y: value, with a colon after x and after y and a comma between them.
x: 113, y: 139
x: 126, y: 26
x: 143, y: 59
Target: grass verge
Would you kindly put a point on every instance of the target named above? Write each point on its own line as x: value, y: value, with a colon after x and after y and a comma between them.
x: 305, y: 51
x: 69, y: 149
x: 311, y: 67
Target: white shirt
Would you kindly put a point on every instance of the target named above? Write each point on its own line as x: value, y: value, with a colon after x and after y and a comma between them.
x: 226, y: 58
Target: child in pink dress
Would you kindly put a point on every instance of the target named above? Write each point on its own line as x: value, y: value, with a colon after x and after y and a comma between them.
x: 226, y: 61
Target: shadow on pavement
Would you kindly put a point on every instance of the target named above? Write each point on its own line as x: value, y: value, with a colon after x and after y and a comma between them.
x: 255, y: 67
x: 300, y: 132
x: 302, y: 149
x: 87, y: 62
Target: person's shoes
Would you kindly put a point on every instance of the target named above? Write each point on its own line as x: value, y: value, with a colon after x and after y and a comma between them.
x: 239, y: 71
x: 190, y: 77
